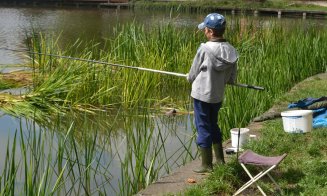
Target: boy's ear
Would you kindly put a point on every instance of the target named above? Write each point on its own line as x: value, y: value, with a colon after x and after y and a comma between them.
x: 210, y: 31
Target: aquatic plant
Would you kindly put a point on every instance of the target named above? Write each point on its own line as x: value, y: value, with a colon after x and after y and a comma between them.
x: 88, y: 157
x: 270, y: 56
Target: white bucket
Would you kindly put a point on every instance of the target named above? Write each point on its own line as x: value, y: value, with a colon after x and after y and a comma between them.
x: 297, y: 121
x: 243, y: 136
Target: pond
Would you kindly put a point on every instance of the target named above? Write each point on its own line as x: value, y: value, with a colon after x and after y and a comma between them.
x: 101, y: 154
x: 89, y: 24
x: 110, y: 152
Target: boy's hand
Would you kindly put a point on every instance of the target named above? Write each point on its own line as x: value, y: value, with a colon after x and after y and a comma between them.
x: 187, y: 77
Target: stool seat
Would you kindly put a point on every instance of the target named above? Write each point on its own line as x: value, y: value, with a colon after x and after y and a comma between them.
x: 265, y: 163
x: 251, y: 158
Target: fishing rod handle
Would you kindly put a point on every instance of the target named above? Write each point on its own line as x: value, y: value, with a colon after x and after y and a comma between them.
x: 250, y: 86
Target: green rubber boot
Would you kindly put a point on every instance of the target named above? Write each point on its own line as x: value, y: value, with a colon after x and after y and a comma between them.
x: 206, y: 165
x: 219, y: 153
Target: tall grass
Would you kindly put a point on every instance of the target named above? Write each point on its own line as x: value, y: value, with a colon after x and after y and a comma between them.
x: 88, y: 157
x: 75, y: 83
x: 151, y: 149
x: 271, y: 56
x: 276, y: 58
x: 204, y: 6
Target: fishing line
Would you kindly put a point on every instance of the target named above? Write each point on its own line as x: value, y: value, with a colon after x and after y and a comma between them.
x: 122, y: 66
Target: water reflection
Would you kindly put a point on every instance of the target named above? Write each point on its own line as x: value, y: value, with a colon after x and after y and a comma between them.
x: 93, y: 24
x: 98, y: 151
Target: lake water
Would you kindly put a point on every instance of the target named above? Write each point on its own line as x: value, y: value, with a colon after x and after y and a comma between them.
x: 90, y: 24
x: 95, y: 24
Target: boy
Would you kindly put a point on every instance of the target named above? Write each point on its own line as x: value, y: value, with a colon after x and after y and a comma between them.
x: 214, y: 65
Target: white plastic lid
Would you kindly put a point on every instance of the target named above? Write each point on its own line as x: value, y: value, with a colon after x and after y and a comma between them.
x: 243, y: 130
x: 296, y: 113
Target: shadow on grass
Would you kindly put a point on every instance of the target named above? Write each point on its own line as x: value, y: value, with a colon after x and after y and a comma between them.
x: 293, y: 175
x: 293, y: 189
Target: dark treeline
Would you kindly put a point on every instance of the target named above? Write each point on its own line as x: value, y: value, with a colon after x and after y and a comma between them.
x: 44, y: 1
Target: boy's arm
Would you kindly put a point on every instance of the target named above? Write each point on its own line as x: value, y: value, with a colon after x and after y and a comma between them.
x: 195, y: 68
x: 233, y: 76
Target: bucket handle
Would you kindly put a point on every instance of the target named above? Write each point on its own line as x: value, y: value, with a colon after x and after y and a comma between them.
x: 293, y: 117
x: 238, y: 142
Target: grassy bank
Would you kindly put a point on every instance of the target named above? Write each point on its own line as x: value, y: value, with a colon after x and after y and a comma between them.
x: 209, y: 6
x: 303, y: 172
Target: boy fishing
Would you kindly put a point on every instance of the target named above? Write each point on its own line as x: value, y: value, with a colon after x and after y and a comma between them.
x: 214, y: 65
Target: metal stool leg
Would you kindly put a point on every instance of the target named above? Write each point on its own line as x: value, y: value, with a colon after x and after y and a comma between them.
x: 253, y: 179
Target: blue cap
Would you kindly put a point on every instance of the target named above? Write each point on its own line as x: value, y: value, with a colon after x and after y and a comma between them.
x: 213, y: 21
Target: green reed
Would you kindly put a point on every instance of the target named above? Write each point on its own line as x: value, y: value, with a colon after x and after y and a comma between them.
x: 207, y: 6
x: 53, y: 166
x: 276, y: 58
x: 9, y: 172
x: 73, y: 83
x: 271, y: 56
x: 149, y: 153
x: 84, y: 156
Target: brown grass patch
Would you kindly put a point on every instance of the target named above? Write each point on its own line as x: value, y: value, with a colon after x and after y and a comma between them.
x: 19, y: 78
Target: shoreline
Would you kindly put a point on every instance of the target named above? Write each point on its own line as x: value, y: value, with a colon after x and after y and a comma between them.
x: 278, y: 12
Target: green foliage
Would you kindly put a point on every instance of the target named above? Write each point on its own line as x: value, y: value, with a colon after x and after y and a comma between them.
x: 82, y: 154
x: 221, y: 182
x: 212, y: 5
x: 271, y: 56
x: 6, y: 85
x: 77, y: 82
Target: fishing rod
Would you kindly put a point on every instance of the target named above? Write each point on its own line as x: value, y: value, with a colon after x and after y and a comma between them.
x: 122, y: 66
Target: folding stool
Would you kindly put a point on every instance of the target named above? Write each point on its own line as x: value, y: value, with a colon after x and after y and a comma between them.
x: 264, y: 162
